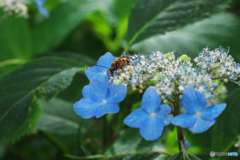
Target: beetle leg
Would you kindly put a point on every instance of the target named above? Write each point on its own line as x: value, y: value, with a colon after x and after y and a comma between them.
x: 108, y: 74
x: 112, y: 72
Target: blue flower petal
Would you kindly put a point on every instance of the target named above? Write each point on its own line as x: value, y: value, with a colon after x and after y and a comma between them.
x: 86, y: 107
x: 98, y: 90
x: 105, y: 61
x: 150, y: 101
x: 184, y: 120
x: 94, y: 73
x: 100, y: 111
x: 167, y: 119
x: 135, y: 118
x: 41, y: 9
x: 162, y: 113
x: 151, y: 128
x: 106, y: 108
x: 201, y: 125
x: 112, y: 108
x: 213, y: 111
x: 86, y: 91
x: 165, y: 108
x: 187, y: 144
x: 193, y: 101
x: 117, y: 93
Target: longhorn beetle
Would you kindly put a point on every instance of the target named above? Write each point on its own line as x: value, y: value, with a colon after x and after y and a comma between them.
x: 115, y: 65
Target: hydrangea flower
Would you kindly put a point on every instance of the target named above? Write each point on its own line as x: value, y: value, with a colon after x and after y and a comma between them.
x: 14, y: 6
x: 41, y: 9
x: 151, y: 117
x: 197, y: 118
x: 99, y: 99
x: 100, y: 73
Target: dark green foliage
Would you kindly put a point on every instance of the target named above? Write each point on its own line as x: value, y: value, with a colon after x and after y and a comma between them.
x: 64, y: 18
x: 44, y: 76
x: 148, y: 156
x: 219, y: 29
x: 15, y: 42
x: 179, y: 156
x: 161, y: 16
x: 129, y: 156
x: 58, y: 117
x: 227, y: 129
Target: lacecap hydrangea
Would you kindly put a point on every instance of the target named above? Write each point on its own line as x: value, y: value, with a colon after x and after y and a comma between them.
x: 162, y: 78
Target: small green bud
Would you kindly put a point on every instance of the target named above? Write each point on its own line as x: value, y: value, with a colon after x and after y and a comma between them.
x: 167, y: 55
x: 155, y: 80
x: 120, y: 81
x: 185, y: 58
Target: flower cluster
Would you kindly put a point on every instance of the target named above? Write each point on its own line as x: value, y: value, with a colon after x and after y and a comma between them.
x: 14, y: 6
x: 166, y: 74
x: 219, y: 63
x: 19, y: 8
x: 162, y: 77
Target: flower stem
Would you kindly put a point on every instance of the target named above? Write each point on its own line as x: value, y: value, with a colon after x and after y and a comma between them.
x: 180, y: 137
x: 4, y: 17
x: 56, y: 142
x: 104, y: 130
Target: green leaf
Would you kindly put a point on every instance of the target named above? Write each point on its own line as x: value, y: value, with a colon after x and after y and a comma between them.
x: 15, y: 41
x: 19, y: 108
x: 179, y: 156
x: 130, y: 156
x: 152, y: 17
x: 145, y: 156
x: 176, y: 156
x: 59, y: 118
x: 122, y: 8
x: 219, y: 29
x: 227, y: 127
x: 64, y: 18
x: 136, y: 105
x: 131, y: 142
x: 98, y: 156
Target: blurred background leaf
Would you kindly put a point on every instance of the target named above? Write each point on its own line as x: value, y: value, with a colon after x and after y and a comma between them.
x: 219, y: 29
x: 45, y: 77
x: 152, y: 17
x: 227, y: 129
x: 58, y: 117
x: 64, y: 18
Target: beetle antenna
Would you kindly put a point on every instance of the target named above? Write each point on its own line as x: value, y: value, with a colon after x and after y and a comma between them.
x: 96, y: 65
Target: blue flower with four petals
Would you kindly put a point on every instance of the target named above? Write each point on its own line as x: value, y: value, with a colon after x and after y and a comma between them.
x: 151, y: 117
x: 100, y: 73
x: 197, y: 118
x: 99, y: 99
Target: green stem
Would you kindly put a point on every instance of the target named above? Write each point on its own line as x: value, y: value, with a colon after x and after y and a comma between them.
x: 180, y: 137
x: 56, y: 142
x: 4, y: 17
x: 104, y: 130
x: 12, y: 61
x: 80, y: 148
